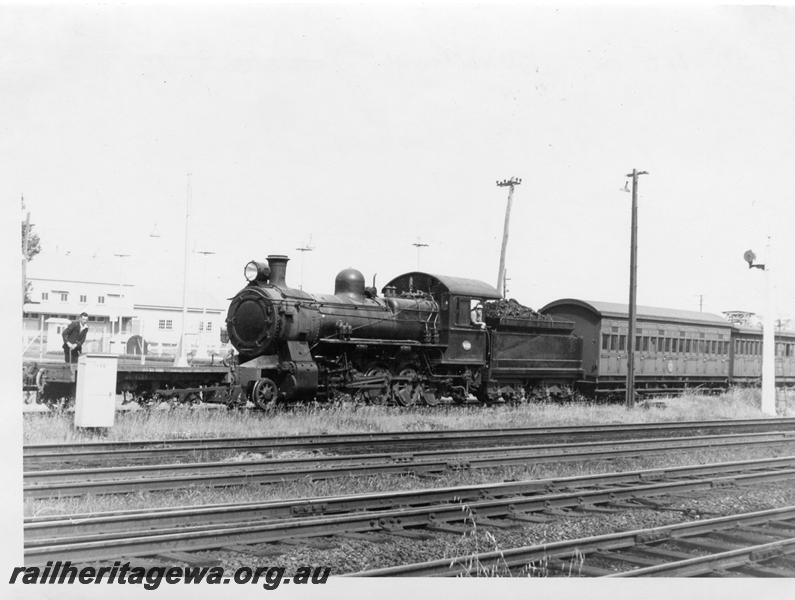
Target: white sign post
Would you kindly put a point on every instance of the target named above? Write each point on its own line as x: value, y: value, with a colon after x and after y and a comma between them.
x: 95, y: 397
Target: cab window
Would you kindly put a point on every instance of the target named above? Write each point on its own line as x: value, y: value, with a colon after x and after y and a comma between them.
x: 462, y: 312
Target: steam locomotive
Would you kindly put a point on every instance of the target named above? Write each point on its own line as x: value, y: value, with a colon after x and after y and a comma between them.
x: 427, y: 337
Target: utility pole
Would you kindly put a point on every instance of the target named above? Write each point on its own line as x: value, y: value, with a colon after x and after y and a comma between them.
x: 203, y: 327
x: 700, y: 302
x: 121, y: 256
x: 418, y: 244
x: 510, y: 183
x: 768, y: 336
x: 25, y: 241
x: 308, y: 247
x: 181, y: 357
x: 633, y: 288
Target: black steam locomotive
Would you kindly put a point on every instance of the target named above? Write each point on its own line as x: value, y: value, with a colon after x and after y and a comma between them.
x: 426, y: 338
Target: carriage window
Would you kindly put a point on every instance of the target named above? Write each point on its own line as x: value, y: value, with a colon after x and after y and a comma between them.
x: 614, y: 342
x: 653, y: 345
x: 713, y: 347
x: 688, y: 346
x: 605, y: 341
x: 645, y: 346
x: 674, y: 345
x: 667, y: 344
x: 637, y: 343
x: 622, y: 342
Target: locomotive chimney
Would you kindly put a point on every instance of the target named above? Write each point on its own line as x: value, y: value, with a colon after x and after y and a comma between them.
x: 278, y: 265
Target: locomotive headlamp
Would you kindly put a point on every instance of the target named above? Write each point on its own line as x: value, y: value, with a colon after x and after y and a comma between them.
x: 255, y: 271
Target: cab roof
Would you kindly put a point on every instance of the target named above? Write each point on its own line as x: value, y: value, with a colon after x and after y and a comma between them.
x: 435, y: 284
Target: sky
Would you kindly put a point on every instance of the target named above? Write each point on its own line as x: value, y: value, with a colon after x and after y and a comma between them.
x: 361, y: 130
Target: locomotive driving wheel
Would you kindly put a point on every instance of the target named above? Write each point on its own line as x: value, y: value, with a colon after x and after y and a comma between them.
x: 265, y: 394
x: 406, y: 393
x: 378, y: 397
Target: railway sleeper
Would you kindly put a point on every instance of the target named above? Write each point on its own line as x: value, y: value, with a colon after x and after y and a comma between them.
x: 188, y: 558
x: 407, y: 533
x: 575, y: 568
x: 592, y: 508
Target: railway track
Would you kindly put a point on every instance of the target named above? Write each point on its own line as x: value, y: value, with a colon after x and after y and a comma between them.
x: 413, y: 513
x: 77, y: 482
x: 47, y: 456
x: 759, y: 544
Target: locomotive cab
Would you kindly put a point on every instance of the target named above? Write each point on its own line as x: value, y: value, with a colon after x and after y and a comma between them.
x: 462, y: 328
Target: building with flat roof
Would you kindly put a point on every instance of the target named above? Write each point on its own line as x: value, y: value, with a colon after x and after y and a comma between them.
x: 123, y: 318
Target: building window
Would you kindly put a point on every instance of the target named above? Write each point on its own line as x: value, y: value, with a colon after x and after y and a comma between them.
x: 164, y: 324
x: 83, y: 299
x: 100, y: 299
x: 45, y: 296
x: 64, y: 296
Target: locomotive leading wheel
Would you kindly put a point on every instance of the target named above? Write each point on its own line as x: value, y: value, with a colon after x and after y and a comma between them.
x: 265, y: 394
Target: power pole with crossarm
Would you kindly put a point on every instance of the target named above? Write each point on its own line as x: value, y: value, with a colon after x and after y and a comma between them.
x: 510, y: 184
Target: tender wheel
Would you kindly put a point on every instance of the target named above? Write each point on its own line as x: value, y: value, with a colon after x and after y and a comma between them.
x: 265, y: 394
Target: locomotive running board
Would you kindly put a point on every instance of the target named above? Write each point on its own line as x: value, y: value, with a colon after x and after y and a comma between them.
x: 270, y: 361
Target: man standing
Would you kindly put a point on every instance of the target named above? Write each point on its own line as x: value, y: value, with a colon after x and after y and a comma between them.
x: 73, y: 337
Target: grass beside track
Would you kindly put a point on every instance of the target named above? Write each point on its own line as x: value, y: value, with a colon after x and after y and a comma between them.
x: 45, y: 427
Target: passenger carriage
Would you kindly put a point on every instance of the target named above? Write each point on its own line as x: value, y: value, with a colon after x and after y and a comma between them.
x: 675, y: 350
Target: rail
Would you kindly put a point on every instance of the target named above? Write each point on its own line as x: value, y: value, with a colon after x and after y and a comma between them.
x: 410, y: 513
